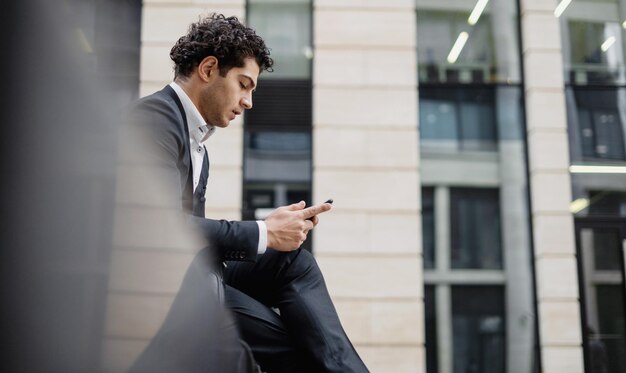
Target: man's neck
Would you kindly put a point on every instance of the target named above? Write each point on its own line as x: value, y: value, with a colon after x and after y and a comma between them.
x: 189, y: 88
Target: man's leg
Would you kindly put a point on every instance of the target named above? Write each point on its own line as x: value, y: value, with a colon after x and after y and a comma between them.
x: 294, y: 284
x: 266, y: 335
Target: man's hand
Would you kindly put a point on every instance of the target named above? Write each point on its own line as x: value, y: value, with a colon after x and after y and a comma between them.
x: 287, y: 226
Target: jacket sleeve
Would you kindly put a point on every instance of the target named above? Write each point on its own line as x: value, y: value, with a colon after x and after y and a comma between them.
x: 154, y: 138
x: 229, y: 240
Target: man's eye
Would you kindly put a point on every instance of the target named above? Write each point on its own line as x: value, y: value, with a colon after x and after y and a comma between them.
x: 242, y: 85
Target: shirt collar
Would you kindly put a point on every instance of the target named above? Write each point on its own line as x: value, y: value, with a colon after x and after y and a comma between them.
x: 199, y: 130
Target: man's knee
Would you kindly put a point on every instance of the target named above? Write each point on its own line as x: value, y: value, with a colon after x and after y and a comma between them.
x: 306, y: 265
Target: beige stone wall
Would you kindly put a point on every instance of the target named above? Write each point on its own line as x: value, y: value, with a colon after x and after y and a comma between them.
x: 555, y: 258
x: 366, y: 158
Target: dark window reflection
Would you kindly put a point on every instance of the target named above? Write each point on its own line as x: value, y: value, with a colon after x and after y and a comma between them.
x: 428, y: 227
x: 607, y: 203
x: 457, y: 119
x: 273, y: 156
x: 431, y: 329
x: 607, y: 346
x: 281, y: 103
x: 596, y: 124
x: 601, y: 253
x: 280, y: 142
x: 607, y: 246
x: 475, y: 228
x: 478, y: 329
x: 601, y: 134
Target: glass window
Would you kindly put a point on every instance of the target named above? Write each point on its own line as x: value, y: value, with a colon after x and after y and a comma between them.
x: 286, y: 28
x: 277, y: 156
x: 597, y: 203
x: 596, y: 123
x: 593, y: 42
x: 602, y: 289
x: 281, y: 104
x: 457, y: 119
x: 478, y: 329
x: 473, y: 162
x: 607, y: 247
x: 428, y: 227
x: 475, y: 228
x: 277, y: 170
x: 277, y: 132
x: 607, y: 345
x: 607, y: 203
x: 466, y: 43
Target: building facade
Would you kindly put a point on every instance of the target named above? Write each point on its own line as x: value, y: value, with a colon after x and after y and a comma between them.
x: 475, y: 151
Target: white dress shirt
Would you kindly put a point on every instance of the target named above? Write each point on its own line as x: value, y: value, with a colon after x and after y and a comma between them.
x: 199, y: 132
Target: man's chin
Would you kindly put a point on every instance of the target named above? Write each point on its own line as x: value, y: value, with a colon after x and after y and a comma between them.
x: 222, y: 124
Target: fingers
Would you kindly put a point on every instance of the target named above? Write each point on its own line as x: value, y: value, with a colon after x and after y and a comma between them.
x: 308, y: 225
x: 296, y: 206
x: 315, y: 210
x: 315, y: 220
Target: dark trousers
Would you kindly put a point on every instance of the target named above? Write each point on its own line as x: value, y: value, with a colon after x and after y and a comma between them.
x: 307, y: 336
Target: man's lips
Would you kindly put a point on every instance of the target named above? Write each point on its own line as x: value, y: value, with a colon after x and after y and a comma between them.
x: 235, y: 113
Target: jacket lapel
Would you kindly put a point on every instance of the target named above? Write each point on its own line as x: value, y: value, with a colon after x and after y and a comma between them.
x: 185, y: 169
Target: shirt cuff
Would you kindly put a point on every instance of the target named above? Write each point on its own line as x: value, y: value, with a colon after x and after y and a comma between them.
x: 262, y: 237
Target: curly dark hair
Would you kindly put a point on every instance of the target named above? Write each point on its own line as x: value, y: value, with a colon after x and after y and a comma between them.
x: 226, y: 39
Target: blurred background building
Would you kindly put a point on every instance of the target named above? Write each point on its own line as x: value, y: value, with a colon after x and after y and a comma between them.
x: 475, y: 150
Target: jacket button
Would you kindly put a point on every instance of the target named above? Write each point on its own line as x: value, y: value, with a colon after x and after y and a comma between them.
x: 202, y: 199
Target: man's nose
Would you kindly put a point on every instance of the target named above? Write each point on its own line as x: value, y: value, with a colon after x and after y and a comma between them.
x: 246, y: 102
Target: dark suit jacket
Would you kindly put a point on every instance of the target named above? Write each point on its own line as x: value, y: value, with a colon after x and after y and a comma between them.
x: 198, y: 334
x: 162, y: 123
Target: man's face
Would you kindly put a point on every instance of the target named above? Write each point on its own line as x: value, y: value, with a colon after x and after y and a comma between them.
x: 225, y: 97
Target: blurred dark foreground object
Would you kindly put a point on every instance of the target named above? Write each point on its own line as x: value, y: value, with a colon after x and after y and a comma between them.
x: 57, y: 187
x: 58, y: 169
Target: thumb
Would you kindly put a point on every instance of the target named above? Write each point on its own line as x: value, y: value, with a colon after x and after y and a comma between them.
x: 296, y: 206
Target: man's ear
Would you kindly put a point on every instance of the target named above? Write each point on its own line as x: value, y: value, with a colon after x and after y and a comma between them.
x: 208, y: 68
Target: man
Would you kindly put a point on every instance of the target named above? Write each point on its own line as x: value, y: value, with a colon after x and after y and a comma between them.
x: 217, y: 65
